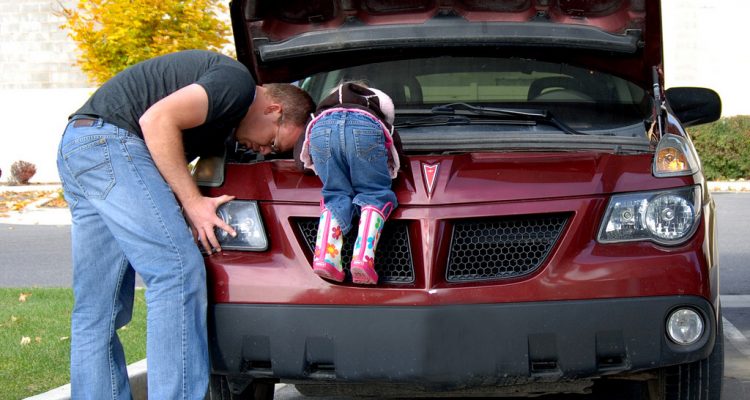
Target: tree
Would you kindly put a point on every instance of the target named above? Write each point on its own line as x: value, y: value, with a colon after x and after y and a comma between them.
x: 114, y: 34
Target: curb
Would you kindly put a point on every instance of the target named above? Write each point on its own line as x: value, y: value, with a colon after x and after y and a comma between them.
x: 729, y: 186
x: 138, y: 385
x: 136, y: 374
x: 30, y: 187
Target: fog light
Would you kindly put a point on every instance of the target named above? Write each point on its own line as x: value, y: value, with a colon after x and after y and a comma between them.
x: 684, y: 326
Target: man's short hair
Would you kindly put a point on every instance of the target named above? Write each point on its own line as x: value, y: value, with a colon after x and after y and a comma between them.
x: 297, y: 103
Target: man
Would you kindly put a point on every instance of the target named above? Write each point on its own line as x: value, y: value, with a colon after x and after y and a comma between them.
x: 123, y: 167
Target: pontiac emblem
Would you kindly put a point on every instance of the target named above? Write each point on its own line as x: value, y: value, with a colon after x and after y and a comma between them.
x: 429, y: 172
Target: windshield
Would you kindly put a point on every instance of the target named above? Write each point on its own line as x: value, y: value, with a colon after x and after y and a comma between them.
x: 581, y: 97
x: 572, y: 99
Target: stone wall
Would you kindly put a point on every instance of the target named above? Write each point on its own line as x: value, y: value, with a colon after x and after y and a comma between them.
x: 34, y: 52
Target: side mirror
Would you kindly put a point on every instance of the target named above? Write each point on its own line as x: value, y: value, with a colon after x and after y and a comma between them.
x: 693, y: 105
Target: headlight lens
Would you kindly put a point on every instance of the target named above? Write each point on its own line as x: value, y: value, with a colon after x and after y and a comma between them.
x: 244, y: 217
x: 666, y: 217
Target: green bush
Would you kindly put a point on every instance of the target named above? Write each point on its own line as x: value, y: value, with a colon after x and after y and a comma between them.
x: 724, y: 147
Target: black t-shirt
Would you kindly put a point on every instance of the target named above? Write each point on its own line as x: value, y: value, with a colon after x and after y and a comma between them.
x: 123, y: 99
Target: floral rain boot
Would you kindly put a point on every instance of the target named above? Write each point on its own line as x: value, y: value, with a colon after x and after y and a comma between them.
x: 363, y: 260
x: 328, y: 243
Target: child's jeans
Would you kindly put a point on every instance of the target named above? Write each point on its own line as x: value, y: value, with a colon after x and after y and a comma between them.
x: 350, y: 157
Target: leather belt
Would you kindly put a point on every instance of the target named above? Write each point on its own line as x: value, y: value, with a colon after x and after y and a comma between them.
x: 82, y: 122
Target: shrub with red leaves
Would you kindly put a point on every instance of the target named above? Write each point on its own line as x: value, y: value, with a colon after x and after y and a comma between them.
x: 22, y: 171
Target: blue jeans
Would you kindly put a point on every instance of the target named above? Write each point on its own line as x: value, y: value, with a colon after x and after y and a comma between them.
x: 126, y: 219
x: 350, y: 157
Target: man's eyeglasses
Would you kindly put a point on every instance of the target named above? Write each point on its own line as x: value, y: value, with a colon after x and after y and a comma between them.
x: 274, y: 146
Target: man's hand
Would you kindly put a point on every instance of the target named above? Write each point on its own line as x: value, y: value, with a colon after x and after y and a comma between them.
x: 162, y: 125
x: 201, y: 215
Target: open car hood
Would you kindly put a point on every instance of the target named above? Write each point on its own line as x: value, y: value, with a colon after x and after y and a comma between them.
x: 282, y: 41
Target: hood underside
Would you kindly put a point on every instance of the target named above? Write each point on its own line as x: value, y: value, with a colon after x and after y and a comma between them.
x: 288, y: 40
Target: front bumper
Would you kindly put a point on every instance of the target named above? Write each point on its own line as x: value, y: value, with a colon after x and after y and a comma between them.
x: 452, y: 346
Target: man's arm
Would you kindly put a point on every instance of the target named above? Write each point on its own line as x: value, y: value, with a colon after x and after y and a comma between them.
x: 162, y: 125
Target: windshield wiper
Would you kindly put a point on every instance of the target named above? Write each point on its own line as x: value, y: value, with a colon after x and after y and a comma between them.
x: 536, y: 115
x: 435, y: 120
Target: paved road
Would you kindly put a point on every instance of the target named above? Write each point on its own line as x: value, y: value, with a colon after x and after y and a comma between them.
x: 733, y: 216
x: 35, y: 255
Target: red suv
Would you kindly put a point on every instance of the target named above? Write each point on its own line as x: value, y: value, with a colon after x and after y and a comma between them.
x: 554, y: 229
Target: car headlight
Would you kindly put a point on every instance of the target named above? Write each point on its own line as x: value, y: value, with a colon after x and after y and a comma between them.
x: 667, y: 217
x: 244, y: 217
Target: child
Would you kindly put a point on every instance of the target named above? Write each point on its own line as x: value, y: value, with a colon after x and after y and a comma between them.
x: 350, y: 146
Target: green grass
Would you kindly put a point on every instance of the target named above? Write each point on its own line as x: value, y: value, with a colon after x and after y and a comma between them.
x: 44, y: 318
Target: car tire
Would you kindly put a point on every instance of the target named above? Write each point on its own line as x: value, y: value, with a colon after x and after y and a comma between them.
x: 700, y: 380
x: 218, y: 389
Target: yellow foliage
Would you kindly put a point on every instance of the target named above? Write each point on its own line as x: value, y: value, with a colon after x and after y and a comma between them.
x: 18, y: 206
x: 114, y: 34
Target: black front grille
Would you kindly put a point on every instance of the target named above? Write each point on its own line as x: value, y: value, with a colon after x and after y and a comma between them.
x: 393, y: 260
x: 501, y: 248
